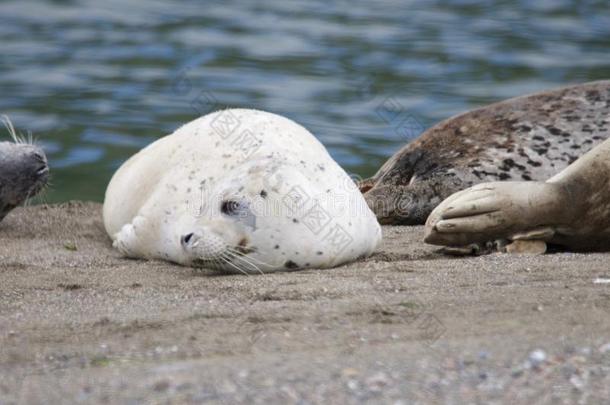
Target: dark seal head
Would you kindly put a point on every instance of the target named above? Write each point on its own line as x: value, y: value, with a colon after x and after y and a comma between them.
x: 24, y: 171
x: 521, y: 139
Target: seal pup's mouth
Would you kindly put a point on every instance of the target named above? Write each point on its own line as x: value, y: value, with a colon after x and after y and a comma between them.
x: 42, y: 171
x: 209, y: 249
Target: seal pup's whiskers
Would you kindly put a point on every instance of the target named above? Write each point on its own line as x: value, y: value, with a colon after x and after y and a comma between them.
x: 15, y: 136
x: 256, y: 262
x: 241, y: 258
x: 26, y: 202
x: 11, y: 129
x: 234, y: 265
x: 217, y: 264
x: 239, y: 253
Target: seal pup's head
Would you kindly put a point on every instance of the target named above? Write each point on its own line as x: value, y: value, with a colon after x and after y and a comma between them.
x: 223, y: 240
x: 24, y: 170
x: 243, y: 225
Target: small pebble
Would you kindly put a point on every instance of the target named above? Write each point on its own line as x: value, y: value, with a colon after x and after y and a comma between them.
x: 377, y: 382
x: 537, y: 357
x: 577, y: 382
x: 161, y: 386
x: 350, y: 372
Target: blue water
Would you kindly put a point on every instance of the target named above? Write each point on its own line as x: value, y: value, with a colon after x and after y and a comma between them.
x: 95, y: 81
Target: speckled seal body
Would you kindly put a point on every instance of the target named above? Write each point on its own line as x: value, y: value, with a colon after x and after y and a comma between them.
x: 239, y: 190
x: 520, y: 139
x: 571, y: 209
x: 23, y: 171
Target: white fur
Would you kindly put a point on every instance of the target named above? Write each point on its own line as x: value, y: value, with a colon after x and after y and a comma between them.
x: 175, y: 187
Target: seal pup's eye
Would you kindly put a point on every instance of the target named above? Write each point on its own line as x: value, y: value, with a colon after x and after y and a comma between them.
x: 189, y: 240
x: 229, y: 207
x: 186, y: 238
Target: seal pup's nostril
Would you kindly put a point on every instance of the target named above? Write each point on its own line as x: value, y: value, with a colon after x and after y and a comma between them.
x: 186, y: 238
x: 40, y: 157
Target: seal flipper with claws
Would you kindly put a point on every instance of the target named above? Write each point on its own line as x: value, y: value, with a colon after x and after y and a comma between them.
x: 524, y: 138
x: 572, y: 210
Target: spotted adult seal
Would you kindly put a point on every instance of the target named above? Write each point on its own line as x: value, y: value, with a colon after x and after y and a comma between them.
x: 239, y: 190
x: 571, y: 209
x: 524, y: 138
x: 23, y: 170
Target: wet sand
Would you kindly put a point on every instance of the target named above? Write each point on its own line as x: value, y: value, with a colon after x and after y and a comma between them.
x: 78, y: 323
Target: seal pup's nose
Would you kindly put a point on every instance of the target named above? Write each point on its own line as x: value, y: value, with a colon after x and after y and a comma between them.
x: 39, y: 156
x: 40, y: 163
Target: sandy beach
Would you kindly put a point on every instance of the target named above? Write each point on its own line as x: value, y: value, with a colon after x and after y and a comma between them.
x: 78, y: 323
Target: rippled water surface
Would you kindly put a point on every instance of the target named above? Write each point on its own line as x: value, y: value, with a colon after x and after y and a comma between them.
x: 97, y: 80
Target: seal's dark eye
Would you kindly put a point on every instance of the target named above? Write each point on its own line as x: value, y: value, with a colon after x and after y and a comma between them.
x: 229, y: 207
x: 187, y: 238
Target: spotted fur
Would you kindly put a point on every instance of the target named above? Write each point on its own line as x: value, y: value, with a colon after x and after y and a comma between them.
x: 199, y: 198
x: 525, y: 138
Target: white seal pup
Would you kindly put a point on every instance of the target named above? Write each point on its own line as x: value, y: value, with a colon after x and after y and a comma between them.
x: 571, y: 209
x: 239, y: 190
x: 24, y: 170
